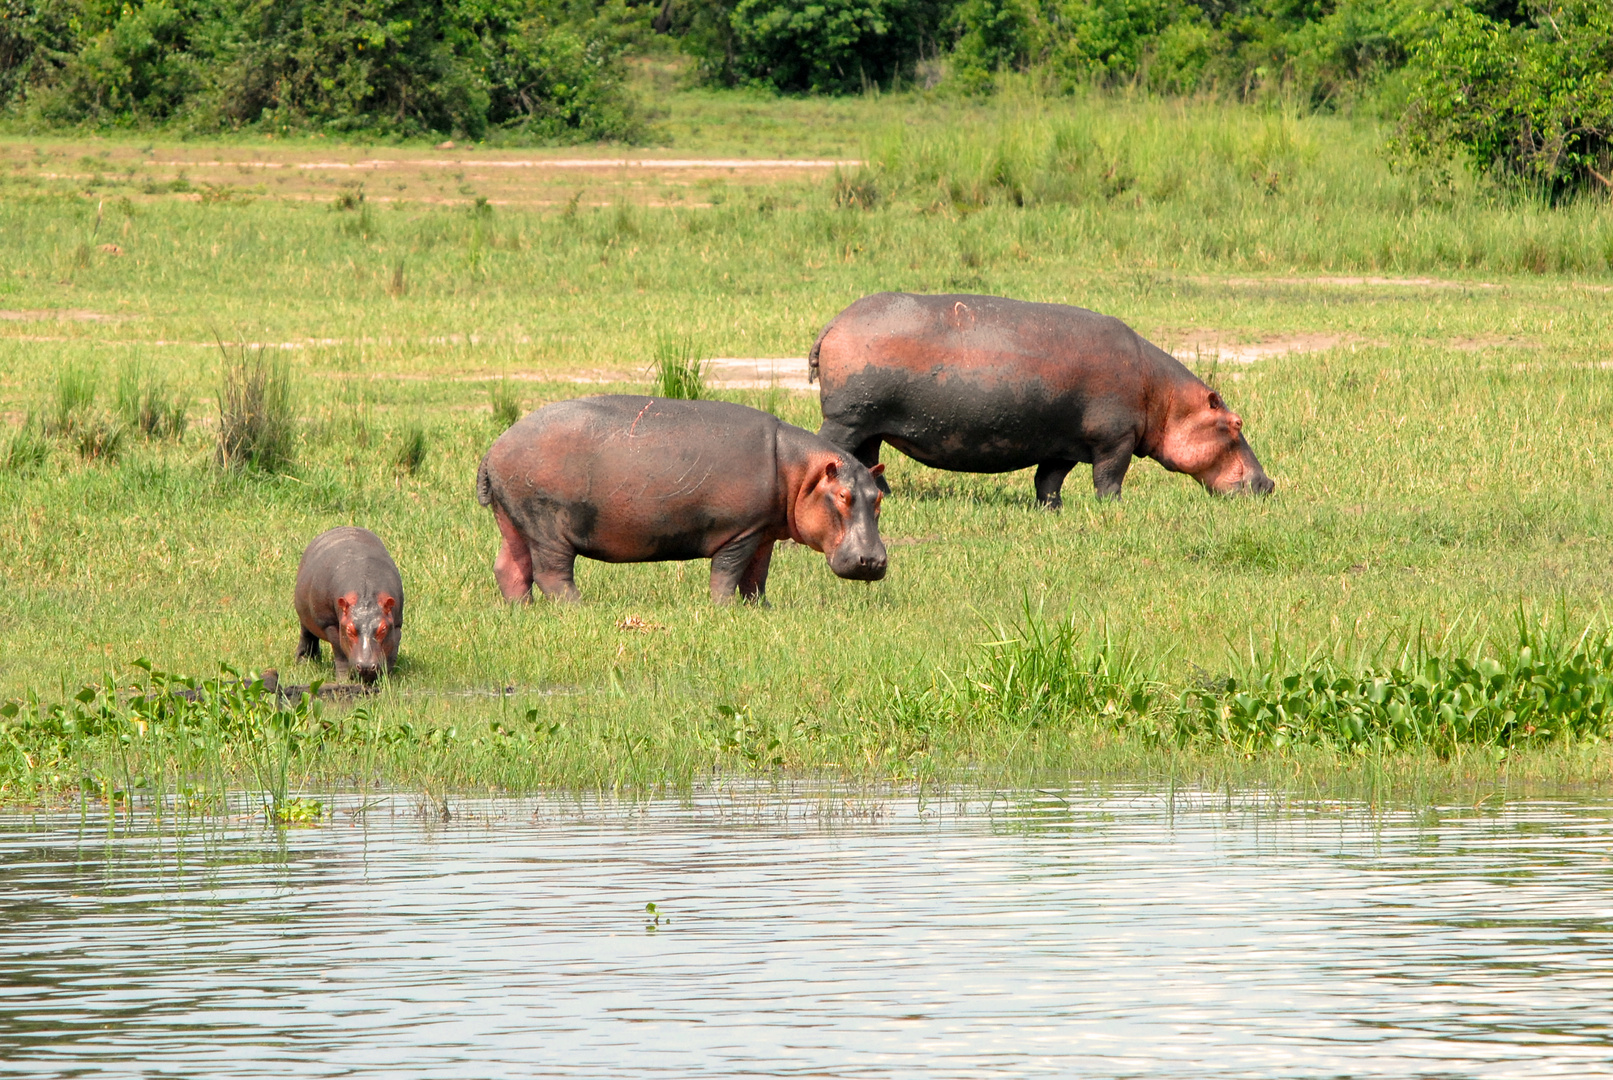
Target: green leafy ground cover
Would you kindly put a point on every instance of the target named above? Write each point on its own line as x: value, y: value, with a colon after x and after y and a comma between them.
x: 1422, y: 370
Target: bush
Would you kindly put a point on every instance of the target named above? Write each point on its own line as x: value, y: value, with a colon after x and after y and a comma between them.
x: 398, y: 66
x: 829, y: 46
x: 1532, y: 104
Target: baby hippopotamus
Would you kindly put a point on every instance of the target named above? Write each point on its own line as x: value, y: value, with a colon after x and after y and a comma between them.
x: 643, y: 479
x: 984, y: 384
x: 349, y: 594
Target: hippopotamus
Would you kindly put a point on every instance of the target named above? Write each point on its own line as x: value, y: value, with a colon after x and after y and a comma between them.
x: 349, y: 593
x: 986, y: 384
x: 646, y: 479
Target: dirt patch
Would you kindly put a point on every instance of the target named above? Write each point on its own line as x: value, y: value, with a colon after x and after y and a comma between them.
x: 1488, y: 341
x: 758, y: 373
x: 1394, y: 282
x: 1201, y: 346
x: 499, y: 178
x: 60, y: 315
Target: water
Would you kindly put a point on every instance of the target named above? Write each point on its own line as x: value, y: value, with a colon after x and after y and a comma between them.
x: 808, y: 936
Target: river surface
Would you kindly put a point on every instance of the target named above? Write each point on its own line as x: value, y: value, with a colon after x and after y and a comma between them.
x: 805, y: 934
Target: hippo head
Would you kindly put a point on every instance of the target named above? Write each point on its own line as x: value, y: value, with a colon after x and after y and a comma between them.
x: 366, y: 626
x: 837, y: 512
x: 1204, y: 439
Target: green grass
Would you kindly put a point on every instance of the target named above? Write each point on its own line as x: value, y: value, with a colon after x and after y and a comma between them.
x: 1439, y: 462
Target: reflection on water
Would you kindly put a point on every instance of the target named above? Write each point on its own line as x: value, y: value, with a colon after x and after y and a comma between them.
x: 1102, y: 937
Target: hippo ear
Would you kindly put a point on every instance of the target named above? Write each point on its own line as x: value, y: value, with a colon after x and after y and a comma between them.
x: 877, y: 470
x: 1215, y: 401
x: 388, y: 603
x: 832, y: 470
x: 344, y: 604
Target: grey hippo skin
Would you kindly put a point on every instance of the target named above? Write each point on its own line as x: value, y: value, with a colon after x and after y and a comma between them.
x: 641, y: 479
x: 985, y: 384
x: 349, y: 593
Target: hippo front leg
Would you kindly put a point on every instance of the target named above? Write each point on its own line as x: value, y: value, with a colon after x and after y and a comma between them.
x: 308, y: 645
x: 1109, y: 469
x: 734, y: 569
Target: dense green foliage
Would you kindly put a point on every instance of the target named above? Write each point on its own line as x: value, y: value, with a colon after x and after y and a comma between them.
x: 403, y: 66
x: 1533, y: 102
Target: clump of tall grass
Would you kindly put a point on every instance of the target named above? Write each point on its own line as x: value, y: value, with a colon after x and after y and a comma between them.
x: 26, y: 448
x: 505, y: 402
x: 148, y: 404
x: 410, y: 455
x: 677, y: 370
x: 75, y: 419
x: 257, y: 420
x: 361, y: 225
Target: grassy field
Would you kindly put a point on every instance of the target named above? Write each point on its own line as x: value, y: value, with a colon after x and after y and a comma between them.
x: 1422, y: 368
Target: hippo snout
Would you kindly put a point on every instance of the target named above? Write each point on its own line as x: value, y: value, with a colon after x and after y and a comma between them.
x: 367, y: 673
x: 862, y: 566
x: 1262, y: 485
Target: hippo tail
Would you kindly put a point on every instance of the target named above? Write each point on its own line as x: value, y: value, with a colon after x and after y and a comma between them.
x: 484, y: 484
x: 817, y: 347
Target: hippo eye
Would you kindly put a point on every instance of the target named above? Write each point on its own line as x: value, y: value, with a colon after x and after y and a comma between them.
x: 380, y: 632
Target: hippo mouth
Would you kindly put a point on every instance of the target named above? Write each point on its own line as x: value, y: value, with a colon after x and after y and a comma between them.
x: 862, y: 568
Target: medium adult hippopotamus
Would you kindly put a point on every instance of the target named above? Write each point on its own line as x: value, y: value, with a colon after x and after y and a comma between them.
x: 349, y: 593
x: 643, y: 479
x: 985, y: 384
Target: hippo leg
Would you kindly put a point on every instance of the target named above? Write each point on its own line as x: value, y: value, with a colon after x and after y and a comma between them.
x: 731, y: 566
x: 1109, y: 467
x: 339, y: 658
x: 753, y: 586
x: 308, y: 646
x: 1049, y: 480
x: 512, y: 569
x: 556, y: 573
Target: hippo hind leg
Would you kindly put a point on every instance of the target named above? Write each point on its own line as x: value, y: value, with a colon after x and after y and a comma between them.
x: 556, y: 573
x: 308, y: 646
x: 1050, y: 481
x: 860, y: 445
x: 512, y: 569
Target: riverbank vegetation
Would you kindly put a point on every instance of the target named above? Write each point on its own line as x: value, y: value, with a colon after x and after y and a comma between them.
x: 1521, y: 90
x: 1420, y: 368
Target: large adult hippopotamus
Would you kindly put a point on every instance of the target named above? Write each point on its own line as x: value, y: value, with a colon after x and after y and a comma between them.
x: 643, y: 479
x: 985, y: 384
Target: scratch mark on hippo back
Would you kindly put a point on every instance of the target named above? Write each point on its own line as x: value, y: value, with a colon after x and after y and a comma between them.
x: 634, y: 425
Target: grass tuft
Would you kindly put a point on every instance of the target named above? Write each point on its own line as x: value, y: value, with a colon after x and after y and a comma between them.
x: 677, y: 370
x: 257, y: 420
x: 27, y: 448
x: 505, y: 401
x: 412, y: 447
x: 148, y: 404
x: 75, y: 419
